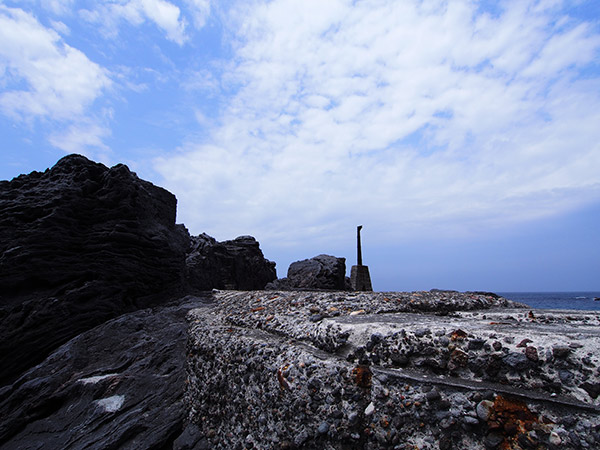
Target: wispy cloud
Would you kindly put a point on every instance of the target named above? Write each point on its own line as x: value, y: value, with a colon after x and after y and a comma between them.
x: 199, y: 10
x: 414, y: 116
x: 58, y: 7
x: 165, y: 15
x: 80, y: 138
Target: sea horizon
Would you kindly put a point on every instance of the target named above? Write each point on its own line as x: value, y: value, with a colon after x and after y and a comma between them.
x: 569, y: 300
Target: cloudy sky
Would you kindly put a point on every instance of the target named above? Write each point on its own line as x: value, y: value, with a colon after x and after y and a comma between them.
x: 463, y: 135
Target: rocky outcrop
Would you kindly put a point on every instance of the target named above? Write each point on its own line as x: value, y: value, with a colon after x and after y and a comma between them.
x: 320, y: 272
x: 80, y: 244
x: 119, y: 385
x: 431, y: 370
x: 236, y: 264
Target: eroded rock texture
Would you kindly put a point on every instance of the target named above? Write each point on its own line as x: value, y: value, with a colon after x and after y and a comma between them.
x: 320, y: 272
x: 236, y: 264
x: 79, y: 244
x: 119, y: 385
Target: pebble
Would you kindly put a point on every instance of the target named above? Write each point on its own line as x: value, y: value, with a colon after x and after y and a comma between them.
x: 369, y: 409
x: 554, y: 438
x: 323, y: 428
x: 493, y: 440
x: 353, y: 418
x: 432, y: 395
x: 472, y: 421
x: 560, y: 351
x: 484, y: 410
x: 301, y: 438
x: 524, y: 342
x: 476, y: 344
x: 532, y: 354
x: 516, y: 361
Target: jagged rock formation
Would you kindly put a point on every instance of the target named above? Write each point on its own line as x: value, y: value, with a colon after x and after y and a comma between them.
x: 236, y: 264
x: 320, y: 272
x: 430, y: 370
x: 82, y: 243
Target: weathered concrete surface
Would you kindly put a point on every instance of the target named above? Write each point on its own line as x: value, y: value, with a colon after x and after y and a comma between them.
x: 427, y: 370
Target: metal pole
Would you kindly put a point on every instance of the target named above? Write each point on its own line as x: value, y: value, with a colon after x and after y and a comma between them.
x: 359, y: 251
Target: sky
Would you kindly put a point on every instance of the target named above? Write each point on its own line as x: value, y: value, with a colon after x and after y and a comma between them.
x: 463, y: 135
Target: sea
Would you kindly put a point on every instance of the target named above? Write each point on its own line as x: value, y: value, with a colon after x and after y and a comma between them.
x: 556, y: 300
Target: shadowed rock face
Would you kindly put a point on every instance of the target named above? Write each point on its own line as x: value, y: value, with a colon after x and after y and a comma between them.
x: 79, y: 244
x: 236, y: 264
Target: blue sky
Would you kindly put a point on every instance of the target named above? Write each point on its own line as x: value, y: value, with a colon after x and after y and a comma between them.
x: 463, y: 135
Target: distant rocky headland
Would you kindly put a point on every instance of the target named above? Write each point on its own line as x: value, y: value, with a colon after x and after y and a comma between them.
x: 118, y: 329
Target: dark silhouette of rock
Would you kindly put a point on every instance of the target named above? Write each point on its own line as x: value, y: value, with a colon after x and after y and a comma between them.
x: 236, y: 264
x: 119, y: 385
x: 319, y: 272
x: 82, y: 243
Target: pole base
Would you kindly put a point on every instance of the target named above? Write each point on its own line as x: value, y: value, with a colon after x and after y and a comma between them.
x: 360, y: 280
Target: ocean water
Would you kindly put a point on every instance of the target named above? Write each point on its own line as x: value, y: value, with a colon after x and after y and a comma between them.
x: 556, y: 300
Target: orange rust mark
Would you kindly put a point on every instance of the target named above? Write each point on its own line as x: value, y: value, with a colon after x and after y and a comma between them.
x: 362, y: 376
x: 458, y: 335
x: 269, y: 318
x: 511, y: 417
x: 258, y: 308
x: 283, y: 384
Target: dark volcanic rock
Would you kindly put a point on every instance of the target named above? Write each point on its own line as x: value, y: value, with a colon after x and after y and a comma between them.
x: 79, y: 244
x: 237, y: 264
x: 119, y: 385
x: 320, y: 272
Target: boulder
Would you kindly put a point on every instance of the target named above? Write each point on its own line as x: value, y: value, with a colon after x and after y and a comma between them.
x: 320, y: 272
x: 80, y: 244
x: 236, y: 264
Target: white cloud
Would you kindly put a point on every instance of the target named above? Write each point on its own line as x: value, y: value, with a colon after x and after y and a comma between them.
x: 59, y: 7
x: 60, y: 27
x: 83, y: 138
x: 163, y: 14
x: 200, y: 10
x: 414, y: 116
x: 42, y: 76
